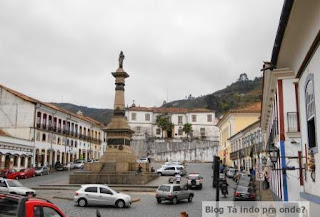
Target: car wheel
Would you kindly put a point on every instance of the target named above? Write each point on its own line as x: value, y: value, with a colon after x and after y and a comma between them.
x: 190, y: 198
x: 174, y: 200
x: 120, y: 203
x: 82, y: 202
x: 159, y: 174
x: 200, y: 187
x: 158, y: 200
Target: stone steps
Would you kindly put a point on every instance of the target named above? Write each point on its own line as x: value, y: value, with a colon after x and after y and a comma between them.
x: 108, y: 167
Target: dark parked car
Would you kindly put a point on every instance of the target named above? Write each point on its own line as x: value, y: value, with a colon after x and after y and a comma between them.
x: 244, y: 193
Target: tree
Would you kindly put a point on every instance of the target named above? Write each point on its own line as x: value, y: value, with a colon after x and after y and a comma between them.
x: 164, y: 123
x: 187, y: 128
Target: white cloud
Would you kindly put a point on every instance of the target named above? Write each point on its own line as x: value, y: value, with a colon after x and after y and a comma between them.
x: 65, y: 50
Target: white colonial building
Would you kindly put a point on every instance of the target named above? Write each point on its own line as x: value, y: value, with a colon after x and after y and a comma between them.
x: 291, y: 105
x: 143, y: 121
x: 247, y: 147
x: 45, y: 132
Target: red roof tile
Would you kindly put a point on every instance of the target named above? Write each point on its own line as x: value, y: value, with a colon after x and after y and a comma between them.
x: 2, y: 133
x: 168, y: 110
x: 251, y: 108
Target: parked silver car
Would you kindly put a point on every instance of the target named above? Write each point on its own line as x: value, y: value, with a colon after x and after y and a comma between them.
x: 42, y: 171
x: 173, y: 193
x: 171, y: 170
x: 231, y: 172
x: 95, y: 194
x: 14, y: 187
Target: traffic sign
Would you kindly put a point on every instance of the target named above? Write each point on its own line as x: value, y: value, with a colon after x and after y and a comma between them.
x: 260, y: 176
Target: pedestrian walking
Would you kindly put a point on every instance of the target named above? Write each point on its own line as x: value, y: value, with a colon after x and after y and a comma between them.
x: 149, y: 158
x: 178, y: 178
x: 266, y: 180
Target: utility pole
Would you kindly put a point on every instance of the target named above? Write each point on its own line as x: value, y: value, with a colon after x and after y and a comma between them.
x: 216, y: 177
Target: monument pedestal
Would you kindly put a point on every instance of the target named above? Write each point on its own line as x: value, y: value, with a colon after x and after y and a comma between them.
x: 117, y: 166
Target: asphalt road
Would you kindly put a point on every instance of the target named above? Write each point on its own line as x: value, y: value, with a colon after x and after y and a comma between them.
x: 147, y: 206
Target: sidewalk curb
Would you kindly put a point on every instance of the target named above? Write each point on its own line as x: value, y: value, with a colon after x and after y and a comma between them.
x: 134, y: 200
x: 116, y: 188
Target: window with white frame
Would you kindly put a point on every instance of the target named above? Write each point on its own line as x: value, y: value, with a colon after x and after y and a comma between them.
x: 138, y: 129
x: 310, y: 109
x: 180, y: 132
x: 180, y: 120
x: 194, y: 118
x: 209, y: 118
x: 203, y: 131
x: 133, y: 116
x: 147, y: 117
x: 158, y: 131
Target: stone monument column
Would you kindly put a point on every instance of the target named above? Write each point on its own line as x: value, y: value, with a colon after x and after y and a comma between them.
x: 118, y: 130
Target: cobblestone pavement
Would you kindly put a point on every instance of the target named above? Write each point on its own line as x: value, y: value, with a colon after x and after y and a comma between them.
x: 147, y: 206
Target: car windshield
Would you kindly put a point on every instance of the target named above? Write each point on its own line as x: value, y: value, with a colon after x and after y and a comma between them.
x: 242, y: 189
x: 193, y: 177
x: 245, y: 178
x: 38, y: 168
x: 243, y: 183
x: 14, y: 183
x: 164, y: 188
x: 22, y: 170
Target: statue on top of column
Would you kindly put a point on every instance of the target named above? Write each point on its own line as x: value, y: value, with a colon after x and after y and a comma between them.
x: 121, y: 58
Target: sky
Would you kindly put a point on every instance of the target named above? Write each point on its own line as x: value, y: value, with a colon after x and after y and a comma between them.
x: 65, y: 51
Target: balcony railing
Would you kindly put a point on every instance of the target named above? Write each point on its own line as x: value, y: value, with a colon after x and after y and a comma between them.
x: 273, y: 133
x: 68, y: 132
x: 292, y: 119
x: 234, y: 155
x: 44, y: 126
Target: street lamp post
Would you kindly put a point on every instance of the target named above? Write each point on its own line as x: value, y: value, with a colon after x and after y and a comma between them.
x: 273, y: 155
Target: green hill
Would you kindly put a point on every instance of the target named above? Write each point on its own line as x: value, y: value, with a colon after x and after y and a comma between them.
x: 102, y: 115
x: 239, y: 93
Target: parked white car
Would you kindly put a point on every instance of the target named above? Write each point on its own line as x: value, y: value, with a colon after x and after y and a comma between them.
x: 171, y: 170
x: 69, y: 166
x: 143, y: 160
x: 78, y: 164
x: 12, y: 186
x: 172, y: 163
x: 95, y: 194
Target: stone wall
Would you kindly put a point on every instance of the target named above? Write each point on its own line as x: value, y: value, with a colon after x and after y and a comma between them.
x: 181, y: 150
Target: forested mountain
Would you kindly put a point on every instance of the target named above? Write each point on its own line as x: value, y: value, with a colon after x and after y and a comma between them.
x: 238, y: 94
x: 101, y: 115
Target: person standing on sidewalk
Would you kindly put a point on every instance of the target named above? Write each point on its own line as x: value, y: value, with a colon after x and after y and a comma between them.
x: 266, y: 180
